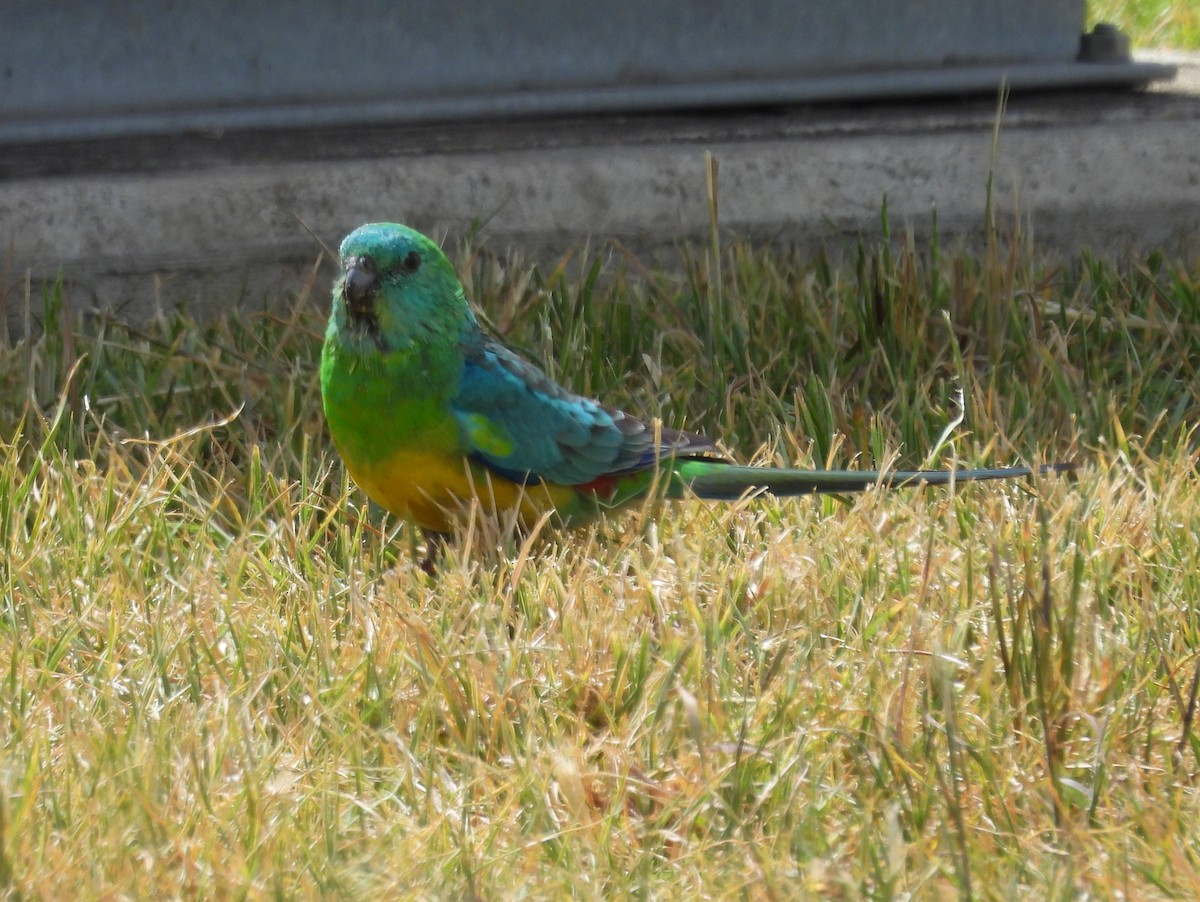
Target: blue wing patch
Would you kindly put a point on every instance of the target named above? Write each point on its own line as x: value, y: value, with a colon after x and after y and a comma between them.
x: 524, y: 426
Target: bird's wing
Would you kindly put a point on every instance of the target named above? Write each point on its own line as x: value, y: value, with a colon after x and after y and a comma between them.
x: 517, y: 421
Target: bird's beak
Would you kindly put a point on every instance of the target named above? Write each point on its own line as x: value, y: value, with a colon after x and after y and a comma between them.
x: 359, y: 285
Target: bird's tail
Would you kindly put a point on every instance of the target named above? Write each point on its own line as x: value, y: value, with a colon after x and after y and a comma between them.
x: 728, y: 482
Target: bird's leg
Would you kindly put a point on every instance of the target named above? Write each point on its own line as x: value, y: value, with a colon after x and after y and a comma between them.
x: 434, y: 543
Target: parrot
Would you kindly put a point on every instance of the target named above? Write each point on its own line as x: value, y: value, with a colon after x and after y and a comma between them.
x: 429, y: 412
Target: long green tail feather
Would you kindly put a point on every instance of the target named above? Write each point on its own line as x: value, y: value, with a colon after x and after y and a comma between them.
x: 728, y: 482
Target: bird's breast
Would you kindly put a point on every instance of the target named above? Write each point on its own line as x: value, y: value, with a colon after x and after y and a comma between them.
x: 391, y: 420
x: 434, y: 490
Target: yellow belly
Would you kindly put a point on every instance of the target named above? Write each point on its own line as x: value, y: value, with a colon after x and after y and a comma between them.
x: 433, y: 491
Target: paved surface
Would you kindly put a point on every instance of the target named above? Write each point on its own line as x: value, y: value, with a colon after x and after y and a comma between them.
x: 216, y: 219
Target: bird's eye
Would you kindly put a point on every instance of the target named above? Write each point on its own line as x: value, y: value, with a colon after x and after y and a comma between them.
x: 411, y: 263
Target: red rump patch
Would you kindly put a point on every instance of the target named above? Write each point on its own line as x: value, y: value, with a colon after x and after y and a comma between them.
x: 602, y: 486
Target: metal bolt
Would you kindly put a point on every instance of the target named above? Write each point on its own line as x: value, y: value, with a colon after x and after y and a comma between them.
x: 1105, y: 43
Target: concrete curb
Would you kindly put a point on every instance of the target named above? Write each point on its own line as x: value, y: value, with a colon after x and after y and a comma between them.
x: 219, y: 220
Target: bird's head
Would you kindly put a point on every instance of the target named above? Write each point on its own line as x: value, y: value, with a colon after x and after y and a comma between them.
x: 396, y: 284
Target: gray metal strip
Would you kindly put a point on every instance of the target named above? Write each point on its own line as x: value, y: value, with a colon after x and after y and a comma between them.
x: 941, y: 81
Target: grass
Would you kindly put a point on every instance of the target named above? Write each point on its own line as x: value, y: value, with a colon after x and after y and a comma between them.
x: 1163, y: 24
x: 223, y: 675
